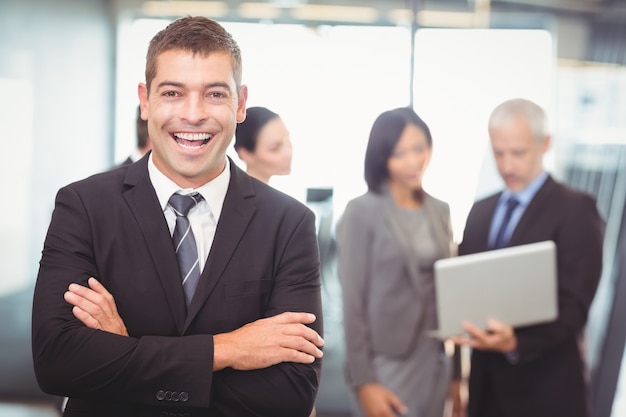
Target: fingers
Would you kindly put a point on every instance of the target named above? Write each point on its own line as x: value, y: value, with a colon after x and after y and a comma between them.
x: 305, y: 340
x: 378, y: 401
x: 473, y: 333
x: 496, y: 326
x: 294, y: 325
x: 95, y: 303
x: 504, y: 339
x: 265, y: 342
x: 96, y: 286
x: 398, y: 405
x: 478, y: 335
x: 95, y: 307
x: 80, y: 299
x: 498, y: 337
x: 86, y: 318
x: 293, y: 317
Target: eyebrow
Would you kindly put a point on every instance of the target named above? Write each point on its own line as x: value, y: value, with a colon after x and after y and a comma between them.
x: 181, y: 85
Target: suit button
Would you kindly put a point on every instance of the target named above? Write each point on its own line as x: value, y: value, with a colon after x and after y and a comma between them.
x: 168, y: 396
x: 160, y: 395
x: 175, y: 396
x: 184, y: 396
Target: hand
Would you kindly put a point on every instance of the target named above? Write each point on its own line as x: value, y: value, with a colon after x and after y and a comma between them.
x: 266, y: 342
x: 378, y: 401
x: 95, y: 307
x: 498, y: 337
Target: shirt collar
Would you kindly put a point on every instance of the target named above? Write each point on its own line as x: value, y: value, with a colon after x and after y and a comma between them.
x: 214, y: 191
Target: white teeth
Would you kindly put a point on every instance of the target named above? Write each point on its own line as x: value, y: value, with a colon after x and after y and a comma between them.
x: 193, y: 136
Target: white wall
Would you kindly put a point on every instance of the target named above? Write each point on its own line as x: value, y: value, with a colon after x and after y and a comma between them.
x: 56, y: 73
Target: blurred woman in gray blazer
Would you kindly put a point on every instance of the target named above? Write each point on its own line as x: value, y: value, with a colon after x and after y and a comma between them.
x: 388, y: 240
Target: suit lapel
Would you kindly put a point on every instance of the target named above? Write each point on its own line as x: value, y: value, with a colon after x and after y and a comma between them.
x: 144, y: 205
x: 483, y: 225
x: 535, y: 208
x: 439, y: 224
x: 237, y: 213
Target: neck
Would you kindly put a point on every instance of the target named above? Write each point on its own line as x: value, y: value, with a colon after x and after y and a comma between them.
x: 258, y: 175
x: 405, y: 197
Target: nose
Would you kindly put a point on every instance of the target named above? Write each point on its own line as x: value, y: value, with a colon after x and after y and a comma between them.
x: 415, y: 159
x: 506, y: 164
x: 194, y: 110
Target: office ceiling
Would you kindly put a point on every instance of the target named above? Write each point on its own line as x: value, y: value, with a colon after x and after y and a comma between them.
x: 353, y: 10
x: 593, y: 30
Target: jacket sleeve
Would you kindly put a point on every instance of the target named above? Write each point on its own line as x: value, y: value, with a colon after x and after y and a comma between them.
x: 578, y: 235
x: 73, y: 360
x: 353, y: 242
x: 286, y: 389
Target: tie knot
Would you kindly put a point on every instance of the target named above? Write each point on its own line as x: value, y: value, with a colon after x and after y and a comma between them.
x: 511, y: 203
x: 182, y: 203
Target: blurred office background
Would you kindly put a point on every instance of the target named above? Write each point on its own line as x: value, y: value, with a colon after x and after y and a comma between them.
x: 69, y: 71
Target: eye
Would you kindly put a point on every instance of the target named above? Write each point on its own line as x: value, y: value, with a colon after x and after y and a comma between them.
x: 217, y: 95
x: 170, y: 94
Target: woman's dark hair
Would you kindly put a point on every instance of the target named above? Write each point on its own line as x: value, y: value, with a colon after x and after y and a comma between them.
x: 385, y: 133
x: 247, y: 131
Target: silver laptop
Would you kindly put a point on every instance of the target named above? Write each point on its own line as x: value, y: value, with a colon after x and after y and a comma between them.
x: 516, y: 285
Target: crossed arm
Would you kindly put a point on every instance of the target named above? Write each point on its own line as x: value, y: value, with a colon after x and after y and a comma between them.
x: 260, y: 344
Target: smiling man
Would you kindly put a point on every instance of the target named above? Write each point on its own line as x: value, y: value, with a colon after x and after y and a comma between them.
x: 121, y: 326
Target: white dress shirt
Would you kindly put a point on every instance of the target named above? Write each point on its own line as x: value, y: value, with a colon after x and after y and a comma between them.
x: 203, y: 218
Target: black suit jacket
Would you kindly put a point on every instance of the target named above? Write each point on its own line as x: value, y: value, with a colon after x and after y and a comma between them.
x: 549, y: 380
x: 263, y: 261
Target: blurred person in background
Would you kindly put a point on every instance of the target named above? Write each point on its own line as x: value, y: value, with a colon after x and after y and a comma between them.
x: 143, y: 144
x: 262, y: 142
x: 387, y: 242
x: 536, y: 370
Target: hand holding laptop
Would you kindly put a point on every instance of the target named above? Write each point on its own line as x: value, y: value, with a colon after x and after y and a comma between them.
x: 482, y: 295
x: 498, y: 337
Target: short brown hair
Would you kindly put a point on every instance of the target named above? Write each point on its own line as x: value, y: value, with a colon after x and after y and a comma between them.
x: 198, y: 35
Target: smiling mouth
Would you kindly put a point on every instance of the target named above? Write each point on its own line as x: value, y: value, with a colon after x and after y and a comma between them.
x: 192, y: 140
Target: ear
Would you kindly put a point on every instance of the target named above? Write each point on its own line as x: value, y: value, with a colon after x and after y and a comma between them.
x: 241, y: 105
x: 545, y: 144
x: 142, y: 92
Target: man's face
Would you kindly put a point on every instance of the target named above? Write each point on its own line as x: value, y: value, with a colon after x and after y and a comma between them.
x: 192, y: 109
x: 518, y: 154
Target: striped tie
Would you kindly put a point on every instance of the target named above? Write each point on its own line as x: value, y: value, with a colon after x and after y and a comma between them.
x: 185, y: 243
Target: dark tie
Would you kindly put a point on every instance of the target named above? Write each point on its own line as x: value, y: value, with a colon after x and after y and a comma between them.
x: 511, y: 204
x: 185, y: 243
